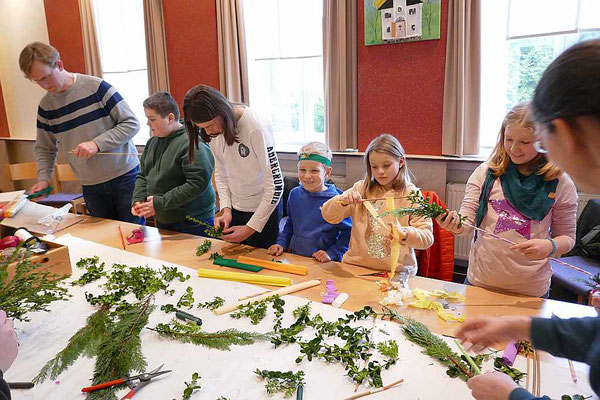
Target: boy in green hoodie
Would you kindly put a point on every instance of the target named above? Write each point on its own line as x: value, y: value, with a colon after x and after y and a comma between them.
x: 168, y: 187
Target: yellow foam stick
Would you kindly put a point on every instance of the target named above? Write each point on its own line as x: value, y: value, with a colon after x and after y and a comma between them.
x: 275, y: 266
x: 243, y: 277
x: 395, y: 250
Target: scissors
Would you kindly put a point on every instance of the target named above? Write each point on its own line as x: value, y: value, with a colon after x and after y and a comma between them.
x: 143, y: 378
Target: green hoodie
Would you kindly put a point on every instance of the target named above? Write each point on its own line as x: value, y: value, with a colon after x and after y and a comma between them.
x: 179, y: 188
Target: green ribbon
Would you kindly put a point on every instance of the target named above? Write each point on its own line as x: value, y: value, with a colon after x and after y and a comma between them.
x: 314, y: 157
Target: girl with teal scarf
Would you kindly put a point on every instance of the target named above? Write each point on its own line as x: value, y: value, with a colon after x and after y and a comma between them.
x: 521, y: 196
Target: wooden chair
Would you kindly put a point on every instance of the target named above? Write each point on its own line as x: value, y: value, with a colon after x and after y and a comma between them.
x: 22, y: 171
x: 64, y: 173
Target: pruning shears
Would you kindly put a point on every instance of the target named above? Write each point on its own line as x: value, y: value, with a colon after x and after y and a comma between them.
x: 143, y: 378
x: 40, y: 193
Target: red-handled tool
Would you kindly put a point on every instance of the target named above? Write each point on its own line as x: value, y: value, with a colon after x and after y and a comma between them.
x: 143, y: 378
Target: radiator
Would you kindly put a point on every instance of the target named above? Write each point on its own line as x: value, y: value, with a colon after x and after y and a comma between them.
x: 455, y: 192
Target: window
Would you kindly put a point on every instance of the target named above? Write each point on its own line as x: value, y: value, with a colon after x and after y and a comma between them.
x: 519, y: 39
x: 285, y: 68
x: 122, y: 44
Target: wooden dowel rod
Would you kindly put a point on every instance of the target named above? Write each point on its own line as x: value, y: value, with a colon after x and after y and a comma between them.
x: 280, y: 292
x: 373, y: 391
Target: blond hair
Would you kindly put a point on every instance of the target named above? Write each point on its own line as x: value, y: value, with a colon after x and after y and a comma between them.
x: 37, y: 51
x: 316, y: 148
x: 519, y: 115
x: 385, y: 144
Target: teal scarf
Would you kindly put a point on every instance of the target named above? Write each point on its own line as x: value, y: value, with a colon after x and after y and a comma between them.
x: 531, y: 195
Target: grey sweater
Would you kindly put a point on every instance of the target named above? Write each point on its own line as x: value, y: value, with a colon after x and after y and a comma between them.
x: 91, y: 109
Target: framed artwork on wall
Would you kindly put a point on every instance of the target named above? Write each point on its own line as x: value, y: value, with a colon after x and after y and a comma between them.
x: 397, y: 21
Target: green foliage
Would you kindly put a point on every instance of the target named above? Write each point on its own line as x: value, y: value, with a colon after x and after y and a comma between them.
x: 255, y: 311
x: 278, y: 304
x: 372, y: 24
x: 389, y: 349
x: 501, y: 366
x: 574, y: 397
x: 210, y: 231
x: 453, y: 371
x: 168, y: 308
x: 84, y: 342
x: 528, y: 58
x: 119, y: 351
x: 187, y: 299
x: 220, y: 340
x: 139, y: 281
x: 278, y: 381
x: 420, y: 207
x: 191, y: 386
x: 434, y: 346
x: 32, y: 288
x: 319, y: 121
x: 204, y: 247
x: 215, y: 256
x: 93, y: 271
x: 214, y: 304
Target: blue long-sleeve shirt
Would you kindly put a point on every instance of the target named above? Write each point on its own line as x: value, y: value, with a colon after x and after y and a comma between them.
x: 577, y: 339
x: 306, y: 231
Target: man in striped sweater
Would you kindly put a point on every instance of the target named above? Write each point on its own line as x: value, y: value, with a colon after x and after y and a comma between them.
x: 84, y: 115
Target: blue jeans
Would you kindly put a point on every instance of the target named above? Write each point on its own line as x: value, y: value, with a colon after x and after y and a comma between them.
x: 112, y: 199
x: 544, y: 296
x: 189, y: 227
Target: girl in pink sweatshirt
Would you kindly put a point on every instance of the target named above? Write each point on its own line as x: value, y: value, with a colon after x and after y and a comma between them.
x: 387, y: 176
x: 518, y: 195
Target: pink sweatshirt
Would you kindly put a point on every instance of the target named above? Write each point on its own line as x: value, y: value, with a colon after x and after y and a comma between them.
x: 491, y: 264
x: 370, y: 245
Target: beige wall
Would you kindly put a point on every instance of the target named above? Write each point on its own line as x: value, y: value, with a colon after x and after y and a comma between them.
x: 21, y: 22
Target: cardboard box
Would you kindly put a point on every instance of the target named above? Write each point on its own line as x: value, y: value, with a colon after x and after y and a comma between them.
x: 56, y: 260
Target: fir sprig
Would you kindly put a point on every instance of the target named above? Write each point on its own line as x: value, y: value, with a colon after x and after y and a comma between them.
x: 93, y: 271
x: 204, y: 247
x: 389, y: 349
x: 434, y: 346
x: 214, y: 304
x: 31, y: 288
x: 220, y: 340
x: 210, y: 231
x: 278, y: 381
x: 421, y: 206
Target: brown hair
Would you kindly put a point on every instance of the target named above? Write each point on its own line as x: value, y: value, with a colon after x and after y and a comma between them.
x: 386, y: 144
x: 37, y: 51
x: 520, y: 115
x: 163, y: 104
x: 203, y: 103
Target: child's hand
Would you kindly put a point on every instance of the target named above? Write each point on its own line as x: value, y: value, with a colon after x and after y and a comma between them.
x: 596, y: 301
x: 237, y: 234
x: 402, y: 231
x: 351, y: 197
x: 450, y: 221
x: 134, y: 209
x: 491, y: 386
x: 275, y: 250
x: 534, y: 249
x: 224, y: 220
x: 321, y: 256
x: 147, y: 209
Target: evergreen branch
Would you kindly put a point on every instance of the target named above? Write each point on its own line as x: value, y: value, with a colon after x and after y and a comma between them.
x: 220, y: 340
x: 210, y: 231
x: 278, y: 381
x: 421, y: 206
x: 31, y: 288
x: 84, y: 342
x: 204, y: 247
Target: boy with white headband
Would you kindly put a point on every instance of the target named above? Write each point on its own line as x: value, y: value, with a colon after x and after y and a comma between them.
x: 306, y: 232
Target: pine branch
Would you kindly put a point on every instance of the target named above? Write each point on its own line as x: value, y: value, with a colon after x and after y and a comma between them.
x: 220, y: 340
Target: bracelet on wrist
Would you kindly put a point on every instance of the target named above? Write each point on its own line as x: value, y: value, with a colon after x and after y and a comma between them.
x: 553, y: 252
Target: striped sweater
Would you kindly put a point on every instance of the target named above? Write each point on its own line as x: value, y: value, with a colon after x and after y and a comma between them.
x: 91, y: 109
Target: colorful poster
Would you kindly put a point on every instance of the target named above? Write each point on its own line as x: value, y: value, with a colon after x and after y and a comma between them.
x: 397, y: 21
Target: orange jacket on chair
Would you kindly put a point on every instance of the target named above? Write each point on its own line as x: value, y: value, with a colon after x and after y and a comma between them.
x: 438, y: 260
